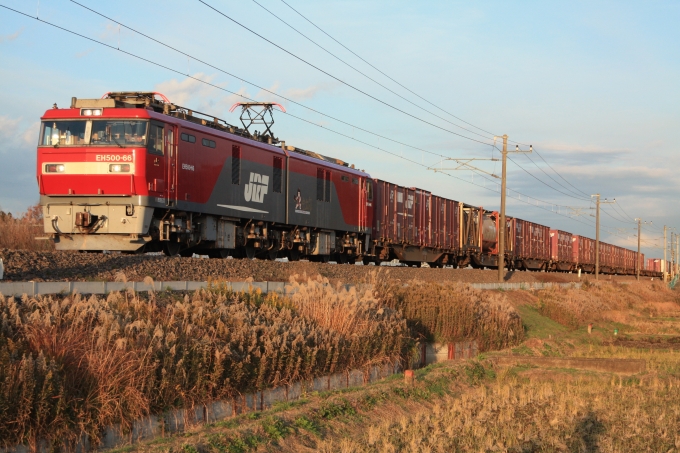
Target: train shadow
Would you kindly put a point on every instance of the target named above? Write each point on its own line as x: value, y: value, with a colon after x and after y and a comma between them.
x: 586, y: 434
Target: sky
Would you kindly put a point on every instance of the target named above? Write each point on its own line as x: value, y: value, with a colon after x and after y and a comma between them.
x: 592, y: 86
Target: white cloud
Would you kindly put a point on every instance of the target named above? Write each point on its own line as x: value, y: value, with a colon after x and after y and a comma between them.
x: 13, y: 36
x: 579, y: 148
x: 84, y: 53
x: 30, y: 135
x: 300, y: 94
x: 192, y: 93
x: 8, y: 127
x: 110, y: 30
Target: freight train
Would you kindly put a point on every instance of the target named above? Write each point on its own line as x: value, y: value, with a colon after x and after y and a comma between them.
x: 134, y: 173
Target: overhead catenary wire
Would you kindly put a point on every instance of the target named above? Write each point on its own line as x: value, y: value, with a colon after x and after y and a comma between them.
x: 295, y: 102
x: 289, y: 114
x: 575, y: 190
x: 486, y: 136
x: 385, y: 103
x: 380, y: 136
x: 577, y: 194
x: 294, y: 116
x: 543, y: 182
x: 381, y: 72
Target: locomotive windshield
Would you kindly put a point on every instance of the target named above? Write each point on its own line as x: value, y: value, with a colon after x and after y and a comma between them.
x: 94, y: 132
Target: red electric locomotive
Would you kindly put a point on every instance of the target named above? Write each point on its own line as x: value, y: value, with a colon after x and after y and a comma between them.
x: 133, y: 172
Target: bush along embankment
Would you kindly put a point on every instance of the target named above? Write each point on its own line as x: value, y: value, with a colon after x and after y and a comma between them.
x: 72, y: 365
x: 452, y: 312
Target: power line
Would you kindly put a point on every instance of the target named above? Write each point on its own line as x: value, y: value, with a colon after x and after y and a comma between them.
x: 543, y: 182
x: 617, y: 219
x: 556, y: 181
x: 294, y: 116
x: 583, y: 194
x: 294, y: 102
x: 577, y: 190
x: 557, y: 173
x: 256, y: 85
x: 340, y: 80
x: 381, y: 72
x: 245, y: 97
x: 364, y: 74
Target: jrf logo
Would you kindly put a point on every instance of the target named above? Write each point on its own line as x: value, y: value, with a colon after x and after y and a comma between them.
x: 257, y: 188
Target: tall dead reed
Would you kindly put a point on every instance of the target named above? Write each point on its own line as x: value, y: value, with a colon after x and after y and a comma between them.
x: 451, y: 312
x: 70, y: 366
x: 19, y: 233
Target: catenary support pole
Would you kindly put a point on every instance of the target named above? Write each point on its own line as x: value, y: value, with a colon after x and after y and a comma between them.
x: 597, y: 231
x: 637, y: 261
x: 665, y: 263
x: 597, y: 236
x: 501, y: 221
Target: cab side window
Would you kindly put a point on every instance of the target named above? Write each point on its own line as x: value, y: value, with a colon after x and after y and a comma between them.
x: 156, y: 139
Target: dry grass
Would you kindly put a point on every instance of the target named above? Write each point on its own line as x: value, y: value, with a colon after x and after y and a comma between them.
x: 451, y: 312
x: 70, y: 366
x: 515, y: 414
x: 19, y: 233
x: 635, y: 304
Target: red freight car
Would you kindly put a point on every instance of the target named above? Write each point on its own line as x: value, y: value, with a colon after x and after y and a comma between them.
x: 584, y: 253
x: 532, y: 245
x: 561, y: 258
x: 413, y: 226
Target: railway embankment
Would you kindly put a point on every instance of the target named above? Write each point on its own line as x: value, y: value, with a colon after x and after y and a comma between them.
x: 23, y: 265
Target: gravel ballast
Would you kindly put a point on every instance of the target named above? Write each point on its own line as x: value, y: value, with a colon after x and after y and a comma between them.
x: 73, y: 266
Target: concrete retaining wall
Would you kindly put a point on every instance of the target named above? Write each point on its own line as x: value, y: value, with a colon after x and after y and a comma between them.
x: 45, y: 288
x: 622, y: 366
x: 525, y: 286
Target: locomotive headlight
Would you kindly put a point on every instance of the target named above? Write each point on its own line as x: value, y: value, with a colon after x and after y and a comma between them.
x: 119, y: 168
x: 54, y: 168
x: 90, y: 112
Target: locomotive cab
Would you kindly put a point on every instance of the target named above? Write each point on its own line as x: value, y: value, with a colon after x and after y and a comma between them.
x: 91, y: 163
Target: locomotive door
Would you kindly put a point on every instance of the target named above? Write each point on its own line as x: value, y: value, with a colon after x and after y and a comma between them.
x: 156, y: 162
x: 172, y: 158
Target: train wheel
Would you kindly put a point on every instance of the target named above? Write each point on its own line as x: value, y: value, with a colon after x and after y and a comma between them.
x: 250, y: 252
x: 294, y: 255
x: 171, y: 248
x: 219, y: 253
x: 272, y: 254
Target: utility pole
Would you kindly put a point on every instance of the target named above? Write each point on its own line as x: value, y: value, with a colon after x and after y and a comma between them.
x: 502, y: 224
x: 672, y: 260
x: 464, y: 164
x: 665, y: 263
x: 597, y: 232
x: 501, y: 221
x: 677, y: 252
x: 637, y: 261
